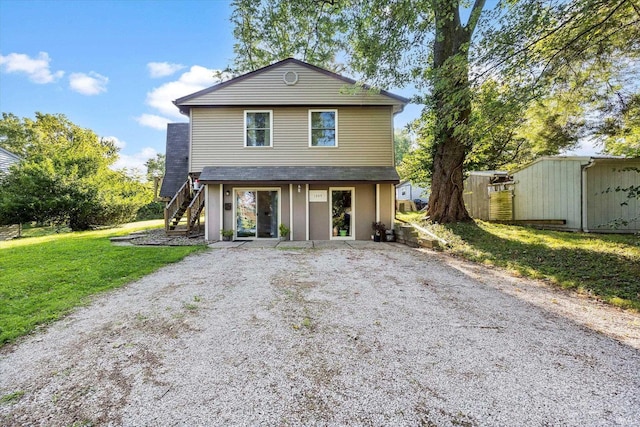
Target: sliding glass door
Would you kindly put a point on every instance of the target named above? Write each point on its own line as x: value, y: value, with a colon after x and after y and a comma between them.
x: 256, y: 213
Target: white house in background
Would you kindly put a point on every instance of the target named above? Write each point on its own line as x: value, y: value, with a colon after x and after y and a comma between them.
x: 408, y: 191
x: 7, y: 158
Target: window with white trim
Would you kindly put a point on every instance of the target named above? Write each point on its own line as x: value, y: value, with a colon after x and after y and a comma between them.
x: 323, y: 128
x: 258, y: 127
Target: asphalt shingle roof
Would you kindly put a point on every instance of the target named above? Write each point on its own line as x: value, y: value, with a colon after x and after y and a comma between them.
x: 300, y: 174
x: 177, y: 160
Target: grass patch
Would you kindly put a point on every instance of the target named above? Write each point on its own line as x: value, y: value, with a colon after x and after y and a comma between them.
x: 43, y: 278
x: 416, y: 217
x: 12, y: 397
x: 603, y: 265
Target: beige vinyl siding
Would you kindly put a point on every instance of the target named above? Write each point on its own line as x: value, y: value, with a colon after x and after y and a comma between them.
x: 269, y: 88
x: 365, y: 136
x: 319, y: 216
x: 212, y: 212
x: 550, y: 189
x: 299, y: 213
x: 387, y: 212
x: 604, y: 207
x: 365, y: 210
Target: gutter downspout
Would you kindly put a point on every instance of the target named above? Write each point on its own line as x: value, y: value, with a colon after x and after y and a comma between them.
x: 583, y: 196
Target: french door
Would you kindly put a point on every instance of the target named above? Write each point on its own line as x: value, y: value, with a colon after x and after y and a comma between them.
x: 257, y: 213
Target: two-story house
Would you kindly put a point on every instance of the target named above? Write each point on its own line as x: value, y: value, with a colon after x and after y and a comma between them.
x: 289, y: 144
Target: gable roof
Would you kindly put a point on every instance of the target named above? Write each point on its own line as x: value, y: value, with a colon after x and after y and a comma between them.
x: 290, y: 82
x: 7, y: 158
x: 176, y: 160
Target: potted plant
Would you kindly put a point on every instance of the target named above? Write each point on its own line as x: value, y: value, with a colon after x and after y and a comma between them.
x: 379, y: 232
x: 226, y: 235
x: 338, y: 224
x: 284, y: 231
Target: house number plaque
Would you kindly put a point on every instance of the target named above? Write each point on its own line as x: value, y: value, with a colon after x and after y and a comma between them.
x: 317, y: 195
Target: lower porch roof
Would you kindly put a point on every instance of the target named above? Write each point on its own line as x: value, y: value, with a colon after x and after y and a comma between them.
x: 299, y: 174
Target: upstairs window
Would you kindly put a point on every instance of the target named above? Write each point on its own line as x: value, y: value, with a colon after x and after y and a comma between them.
x: 323, y: 128
x: 257, y: 126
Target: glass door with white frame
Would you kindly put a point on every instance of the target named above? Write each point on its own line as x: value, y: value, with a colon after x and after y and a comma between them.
x: 342, y: 213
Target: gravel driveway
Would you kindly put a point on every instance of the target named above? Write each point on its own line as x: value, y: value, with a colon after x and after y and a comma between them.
x: 364, y: 335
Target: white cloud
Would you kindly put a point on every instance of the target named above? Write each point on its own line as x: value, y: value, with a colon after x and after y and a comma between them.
x: 135, y: 162
x: 153, y: 121
x: 88, y: 84
x: 37, y: 69
x: 197, y: 78
x: 163, y: 69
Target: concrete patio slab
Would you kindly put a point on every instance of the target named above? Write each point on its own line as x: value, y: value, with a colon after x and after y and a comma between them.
x: 330, y: 244
x: 368, y: 244
x: 260, y: 244
x: 226, y: 245
x: 295, y: 244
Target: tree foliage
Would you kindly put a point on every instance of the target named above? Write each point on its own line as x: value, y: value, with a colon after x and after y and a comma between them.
x: 620, y: 131
x: 271, y: 30
x: 64, y: 177
x: 541, y: 66
x: 584, y: 53
x: 402, y: 144
x: 155, y: 166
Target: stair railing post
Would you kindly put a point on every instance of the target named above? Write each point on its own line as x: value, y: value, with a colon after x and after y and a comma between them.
x: 166, y: 219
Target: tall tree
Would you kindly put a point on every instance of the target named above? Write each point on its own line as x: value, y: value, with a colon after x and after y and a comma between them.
x: 387, y: 43
x: 535, y: 46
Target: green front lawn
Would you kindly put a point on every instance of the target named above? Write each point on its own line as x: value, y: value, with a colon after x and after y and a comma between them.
x: 603, y: 265
x: 44, y: 278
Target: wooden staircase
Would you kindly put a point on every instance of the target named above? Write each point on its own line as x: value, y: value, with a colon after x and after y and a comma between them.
x: 182, y: 213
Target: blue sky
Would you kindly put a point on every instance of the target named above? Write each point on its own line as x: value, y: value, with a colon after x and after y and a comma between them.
x: 114, y: 66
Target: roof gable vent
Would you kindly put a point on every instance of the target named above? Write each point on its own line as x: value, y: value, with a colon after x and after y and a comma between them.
x: 290, y: 78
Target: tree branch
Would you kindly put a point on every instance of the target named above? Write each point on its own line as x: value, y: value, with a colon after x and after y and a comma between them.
x: 476, y: 11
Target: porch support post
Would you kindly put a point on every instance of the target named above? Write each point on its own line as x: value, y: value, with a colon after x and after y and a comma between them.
x: 393, y: 205
x: 206, y: 213
x: 290, y: 211
x: 377, y: 202
x: 307, y: 207
x: 221, y: 208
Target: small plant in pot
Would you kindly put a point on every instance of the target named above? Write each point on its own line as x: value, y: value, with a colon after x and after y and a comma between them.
x: 226, y: 235
x: 338, y: 224
x: 379, y: 232
x: 284, y: 231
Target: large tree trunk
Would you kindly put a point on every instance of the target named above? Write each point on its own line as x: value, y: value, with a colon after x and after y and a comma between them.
x: 452, y: 104
x: 445, y: 202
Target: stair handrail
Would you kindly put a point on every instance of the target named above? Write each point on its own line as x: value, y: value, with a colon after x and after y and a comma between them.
x: 198, y: 203
x: 176, y: 202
